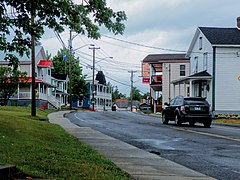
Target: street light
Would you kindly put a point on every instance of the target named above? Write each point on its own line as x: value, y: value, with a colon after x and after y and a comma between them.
x: 70, y: 64
x: 104, y: 59
x: 82, y: 47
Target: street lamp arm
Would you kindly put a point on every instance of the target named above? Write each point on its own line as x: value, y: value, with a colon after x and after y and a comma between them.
x: 103, y: 59
x: 83, y: 46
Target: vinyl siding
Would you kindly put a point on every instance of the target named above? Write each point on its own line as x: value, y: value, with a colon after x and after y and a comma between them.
x: 174, y: 75
x: 196, y: 52
x: 227, y: 83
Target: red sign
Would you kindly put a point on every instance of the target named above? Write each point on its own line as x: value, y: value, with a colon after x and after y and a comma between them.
x: 146, y: 80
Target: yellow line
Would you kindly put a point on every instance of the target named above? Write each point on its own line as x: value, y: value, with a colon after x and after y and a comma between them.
x: 207, y: 134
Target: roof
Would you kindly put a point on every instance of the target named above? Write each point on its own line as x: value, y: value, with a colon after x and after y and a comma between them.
x: 155, y: 58
x: 21, y: 58
x: 222, y: 36
x: 202, y: 73
x: 44, y: 63
x: 60, y: 76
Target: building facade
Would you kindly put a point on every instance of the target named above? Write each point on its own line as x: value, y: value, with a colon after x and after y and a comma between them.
x: 47, y: 87
x: 164, y: 68
x: 215, y: 68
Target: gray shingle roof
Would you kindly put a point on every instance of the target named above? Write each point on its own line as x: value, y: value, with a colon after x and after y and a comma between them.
x: 222, y: 36
x: 202, y: 73
x: 164, y: 57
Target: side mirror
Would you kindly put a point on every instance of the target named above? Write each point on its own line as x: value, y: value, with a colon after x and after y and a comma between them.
x: 166, y: 104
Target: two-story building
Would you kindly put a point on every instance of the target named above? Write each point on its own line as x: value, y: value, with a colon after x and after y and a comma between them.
x: 158, y: 71
x: 50, y: 92
x: 215, y: 67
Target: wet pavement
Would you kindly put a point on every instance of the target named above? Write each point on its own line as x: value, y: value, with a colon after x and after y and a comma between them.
x: 138, y: 163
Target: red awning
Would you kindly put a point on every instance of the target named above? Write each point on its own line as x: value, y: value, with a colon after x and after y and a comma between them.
x: 29, y: 79
x: 45, y: 63
x: 26, y: 80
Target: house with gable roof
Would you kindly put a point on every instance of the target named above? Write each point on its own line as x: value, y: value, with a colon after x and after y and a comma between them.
x: 51, y: 92
x: 215, y: 67
x: 158, y: 71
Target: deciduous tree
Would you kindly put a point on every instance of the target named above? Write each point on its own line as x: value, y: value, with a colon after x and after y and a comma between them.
x: 61, y: 66
x: 84, y: 18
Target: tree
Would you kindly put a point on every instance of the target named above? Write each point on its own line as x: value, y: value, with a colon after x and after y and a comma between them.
x: 9, y: 80
x: 136, y: 94
x: 61, y: 66
x: 146, y: 95
x: 116, y: 94
x: 85, y: 18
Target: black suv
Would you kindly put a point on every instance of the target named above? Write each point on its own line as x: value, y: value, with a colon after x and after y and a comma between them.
x: 187, y: 109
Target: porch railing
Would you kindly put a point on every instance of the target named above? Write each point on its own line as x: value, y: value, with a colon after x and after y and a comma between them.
x: 27, y: 95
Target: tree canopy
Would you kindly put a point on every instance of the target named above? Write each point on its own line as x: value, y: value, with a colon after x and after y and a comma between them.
x: 61, y: 66
x: 116, y: 94
x: 16, y: 21
x: 136, y: 94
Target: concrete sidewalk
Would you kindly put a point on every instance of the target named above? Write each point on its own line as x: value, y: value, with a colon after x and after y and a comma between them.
x: 139, y: 164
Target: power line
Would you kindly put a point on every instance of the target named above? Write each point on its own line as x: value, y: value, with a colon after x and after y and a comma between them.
x: 137, y: 44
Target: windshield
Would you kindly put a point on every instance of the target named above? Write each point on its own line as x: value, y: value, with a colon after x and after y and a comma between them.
x: 195, y: 102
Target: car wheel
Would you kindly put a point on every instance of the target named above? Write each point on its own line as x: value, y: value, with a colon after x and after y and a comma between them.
x: 164, y: 119
x: 177, y: 120
x: 192, y: 123
x: 207, y: 124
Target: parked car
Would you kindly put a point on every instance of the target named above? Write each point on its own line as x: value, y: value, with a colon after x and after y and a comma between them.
x: 187, y: 109
x: 144, y: 107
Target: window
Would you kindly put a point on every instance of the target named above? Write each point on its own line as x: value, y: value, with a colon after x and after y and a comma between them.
x: 182, y: 70
x: 172, y: 101
x: 195, y: 68
x: 205, y: 60
x: 200, y: 43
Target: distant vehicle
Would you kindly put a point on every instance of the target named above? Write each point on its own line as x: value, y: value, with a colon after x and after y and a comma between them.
x: 187, y: 109
x: 145, y: 107
x: 114, y: 107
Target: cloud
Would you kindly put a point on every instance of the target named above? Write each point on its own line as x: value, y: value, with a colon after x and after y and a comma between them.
x: 168, y: 24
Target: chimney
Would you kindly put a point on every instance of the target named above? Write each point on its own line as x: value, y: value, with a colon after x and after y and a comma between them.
x: 238, y: 23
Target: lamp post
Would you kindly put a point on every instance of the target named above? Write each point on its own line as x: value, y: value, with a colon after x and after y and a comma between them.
x: 93, y: 86
x: 104, y: 59
x: 71, y: 50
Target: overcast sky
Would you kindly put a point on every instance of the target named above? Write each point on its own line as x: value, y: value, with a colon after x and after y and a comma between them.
x: 167, y: 24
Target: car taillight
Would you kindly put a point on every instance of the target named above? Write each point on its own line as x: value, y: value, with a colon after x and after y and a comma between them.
x: 182, y: 109
x: 210, y: 108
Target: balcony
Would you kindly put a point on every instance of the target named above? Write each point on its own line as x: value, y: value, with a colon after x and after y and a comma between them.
x: 156, y: 82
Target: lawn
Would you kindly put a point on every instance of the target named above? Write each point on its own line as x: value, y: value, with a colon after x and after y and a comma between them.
x: 42, y: 150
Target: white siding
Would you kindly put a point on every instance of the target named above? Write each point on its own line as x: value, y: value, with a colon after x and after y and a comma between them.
x: 199, y: 53
x: 174, y: 75
x: 227, y: 83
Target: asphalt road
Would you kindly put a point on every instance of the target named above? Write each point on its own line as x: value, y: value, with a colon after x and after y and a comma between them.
x: 212, y: 151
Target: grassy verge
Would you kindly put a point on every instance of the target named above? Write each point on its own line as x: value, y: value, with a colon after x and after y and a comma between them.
x: 228, y: 121
x: 44, y: 150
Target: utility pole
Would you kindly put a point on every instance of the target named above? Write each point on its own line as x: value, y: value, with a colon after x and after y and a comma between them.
x: 70, y: 69
x: 93, y: 78
x: 33, y: 112
x: 131, y: 93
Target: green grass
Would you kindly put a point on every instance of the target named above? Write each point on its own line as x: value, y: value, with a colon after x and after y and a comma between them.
x: 44, y: 150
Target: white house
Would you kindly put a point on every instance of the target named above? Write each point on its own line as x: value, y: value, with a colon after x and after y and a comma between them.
x: 102, y: 96
x: 50, y: 91
x: 215, y: 68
